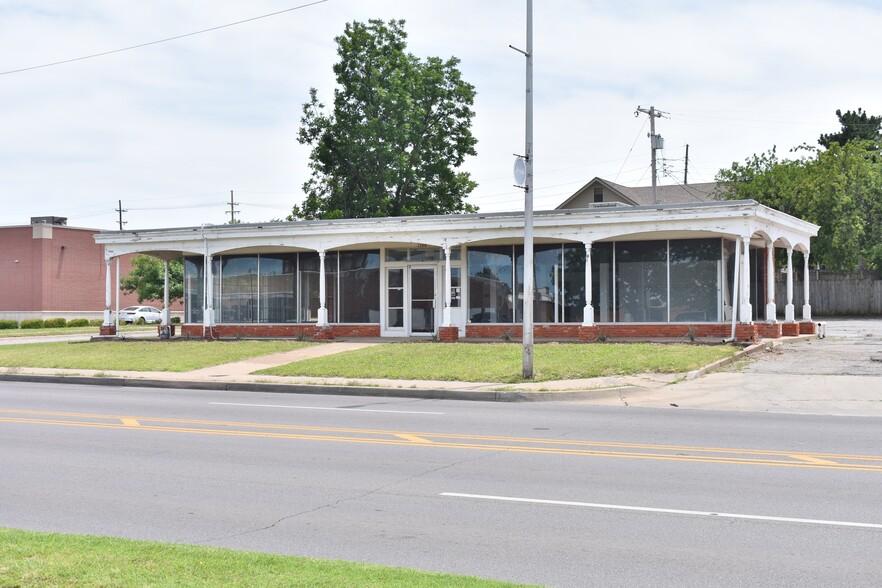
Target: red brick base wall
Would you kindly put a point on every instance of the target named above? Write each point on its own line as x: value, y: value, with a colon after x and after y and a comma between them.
x: 618, y: 331
x: 495, y: 331
x: 790, y: 329
x: 769, y: 330
x: 107, y: 330
x: 283, y: 331
x: 808, y: 328
x: 448, y: 334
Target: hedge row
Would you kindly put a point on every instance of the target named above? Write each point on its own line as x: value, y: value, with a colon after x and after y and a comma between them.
x: 55, y: 323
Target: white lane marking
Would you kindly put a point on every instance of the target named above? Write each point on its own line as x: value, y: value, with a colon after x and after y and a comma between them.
x: 326, y: 408
x: 666, y: 510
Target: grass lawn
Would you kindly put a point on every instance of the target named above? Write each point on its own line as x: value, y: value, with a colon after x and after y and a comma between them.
x: 123, y: 329
x: 152, y: 356
x: 501, y: 362
x: 51, y: 559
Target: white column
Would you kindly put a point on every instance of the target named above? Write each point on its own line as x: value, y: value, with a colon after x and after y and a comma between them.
x: 117, y: 296
x: 108, y: 320
x: 588, y: 315
x: 806, y: 307
x: 323, y: 310
x: 447, y: 319
x: 746, y: 309
x: 165, y: 311
x: 208, y: 304
x: 770, y: 282
x: 789, y: 314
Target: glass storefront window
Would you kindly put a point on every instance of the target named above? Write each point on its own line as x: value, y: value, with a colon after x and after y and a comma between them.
x: 455, y: 287
x: 194, y: 289
x: 548, y: 284
x: 278, y: 296
x: 695, y: 282
x: 238, y: 289
x: 490, y: 284
x: 641, y: 281
x: 396, y: 254
x: 308, y: 280
x: 602, y: 283
x: 360, y: 286
x: 574, y: 283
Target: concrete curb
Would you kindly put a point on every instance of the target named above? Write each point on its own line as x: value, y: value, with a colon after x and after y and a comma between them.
x: 750, y: 350
x: 421, y: 393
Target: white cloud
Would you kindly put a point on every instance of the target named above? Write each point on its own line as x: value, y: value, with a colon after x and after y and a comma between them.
x: 182, y: 123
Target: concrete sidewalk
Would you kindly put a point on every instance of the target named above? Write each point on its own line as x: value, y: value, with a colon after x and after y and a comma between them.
x: 716, y: 387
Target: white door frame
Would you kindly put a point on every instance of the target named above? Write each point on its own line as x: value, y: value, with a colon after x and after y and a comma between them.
x: 406, y: 289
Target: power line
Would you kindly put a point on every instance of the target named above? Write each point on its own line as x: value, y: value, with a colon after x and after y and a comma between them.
x: 175, y: 38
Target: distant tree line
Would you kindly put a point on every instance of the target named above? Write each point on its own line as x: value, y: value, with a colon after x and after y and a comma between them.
x: 837, y: 186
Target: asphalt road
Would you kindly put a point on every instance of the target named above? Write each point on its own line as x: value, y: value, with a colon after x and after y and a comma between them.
x: 553, y: 493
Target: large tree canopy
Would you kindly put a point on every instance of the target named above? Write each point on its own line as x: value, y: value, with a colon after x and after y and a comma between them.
x: 839, y: 189
x: 398, y: 131
x: 856, y: 126
x: 147, y: 279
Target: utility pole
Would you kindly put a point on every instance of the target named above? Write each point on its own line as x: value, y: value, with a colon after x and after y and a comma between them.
x: 529, y: 279
x: 655, y: 141
x: 232, y: 212
x: 120, y: 211
x: 686, y: 170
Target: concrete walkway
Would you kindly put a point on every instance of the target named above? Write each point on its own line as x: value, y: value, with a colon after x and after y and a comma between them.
x: 767, y: 381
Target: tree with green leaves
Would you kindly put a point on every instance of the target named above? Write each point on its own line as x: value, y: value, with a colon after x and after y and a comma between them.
x: 147, y: 279
x: 839, y: 189
x: 856, y: 126
x: 399, y: 129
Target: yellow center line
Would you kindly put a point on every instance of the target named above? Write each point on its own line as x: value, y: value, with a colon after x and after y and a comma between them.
x: 812, y: 459
x: 869, y: 463
x: 414, y: 438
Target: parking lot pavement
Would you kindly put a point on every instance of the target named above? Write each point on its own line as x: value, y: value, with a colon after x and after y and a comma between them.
x: 840, y: 374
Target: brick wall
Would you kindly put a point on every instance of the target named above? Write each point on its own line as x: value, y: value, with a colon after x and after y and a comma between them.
x: 617, y: 331
x: 282, y: 331
x: 62, y: 274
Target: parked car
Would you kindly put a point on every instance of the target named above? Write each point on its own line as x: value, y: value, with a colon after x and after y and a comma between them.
x: 140, y: 314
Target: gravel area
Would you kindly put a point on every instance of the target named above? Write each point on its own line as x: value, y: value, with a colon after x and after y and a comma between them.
x: 852, y: 347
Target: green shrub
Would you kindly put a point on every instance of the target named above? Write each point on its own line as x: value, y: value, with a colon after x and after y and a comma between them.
x: 8, y: 324
x: 32, y: 324
x: 176, y: 320
x: 78, y: 322
x: 55, y: 323
x: 96, y: 322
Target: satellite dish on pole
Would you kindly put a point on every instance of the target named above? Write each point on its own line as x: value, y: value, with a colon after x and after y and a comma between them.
x: 520, y: 171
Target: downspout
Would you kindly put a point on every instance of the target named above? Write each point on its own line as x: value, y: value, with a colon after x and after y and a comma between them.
x: 736, y: 286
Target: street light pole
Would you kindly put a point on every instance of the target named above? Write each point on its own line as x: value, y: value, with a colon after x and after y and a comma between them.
x: 528, y: 208
x: 527, y: 170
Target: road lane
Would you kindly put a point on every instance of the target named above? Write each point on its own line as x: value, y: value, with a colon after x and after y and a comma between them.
x: 436, y: 440
x: 290, y: 489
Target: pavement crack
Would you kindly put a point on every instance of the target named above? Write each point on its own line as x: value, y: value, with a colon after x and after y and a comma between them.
x: 341, y: 500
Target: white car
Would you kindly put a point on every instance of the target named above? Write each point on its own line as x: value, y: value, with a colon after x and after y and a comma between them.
x: 140, y: 314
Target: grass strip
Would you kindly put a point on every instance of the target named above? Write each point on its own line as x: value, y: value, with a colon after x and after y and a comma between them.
x: 52, y: 559
x: 123, y: 329
x: 502, y: 362
x: 143, y: 356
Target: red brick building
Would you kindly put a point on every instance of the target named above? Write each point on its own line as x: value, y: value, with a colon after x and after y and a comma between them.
x: 52, y: 270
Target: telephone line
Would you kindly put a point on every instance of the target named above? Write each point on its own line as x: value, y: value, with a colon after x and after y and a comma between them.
x: 175, y: 38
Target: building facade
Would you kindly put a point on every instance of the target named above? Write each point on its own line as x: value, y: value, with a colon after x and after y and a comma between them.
x: 703, y: 269
x: 52, y: 270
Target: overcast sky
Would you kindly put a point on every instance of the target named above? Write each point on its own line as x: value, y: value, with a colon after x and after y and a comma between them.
x: 169, y: 129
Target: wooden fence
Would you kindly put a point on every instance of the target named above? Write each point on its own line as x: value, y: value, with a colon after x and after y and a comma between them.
x: 832, y: 294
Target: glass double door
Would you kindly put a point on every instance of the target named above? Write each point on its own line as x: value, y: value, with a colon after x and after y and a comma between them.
x: 410, y: 300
